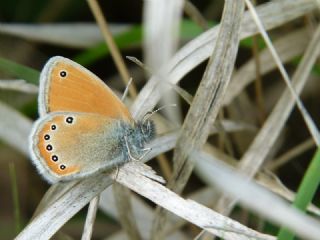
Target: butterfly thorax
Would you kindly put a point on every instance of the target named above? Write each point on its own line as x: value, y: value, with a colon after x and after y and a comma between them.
x: 133, y: 138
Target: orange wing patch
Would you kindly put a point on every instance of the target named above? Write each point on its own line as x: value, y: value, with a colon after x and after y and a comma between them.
x: 49, y: 153
x: 69, y: 87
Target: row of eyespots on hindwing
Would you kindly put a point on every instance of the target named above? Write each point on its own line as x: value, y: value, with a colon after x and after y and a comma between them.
x: 49, y: 147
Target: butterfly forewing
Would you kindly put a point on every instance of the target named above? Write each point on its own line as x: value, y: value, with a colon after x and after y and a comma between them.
x: 66, y: 86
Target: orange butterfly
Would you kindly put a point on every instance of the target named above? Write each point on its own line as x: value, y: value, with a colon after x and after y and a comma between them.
x: 83, y: 128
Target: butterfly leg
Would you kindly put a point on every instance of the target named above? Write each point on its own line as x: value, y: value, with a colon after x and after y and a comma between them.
x: 129, y: 151
x: 146, y: 151
x: 117, y: 173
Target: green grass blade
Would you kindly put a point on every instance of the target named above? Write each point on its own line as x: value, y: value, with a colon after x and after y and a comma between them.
x: 19, y: 71
x: 132, y: 38
x: 305, y: 193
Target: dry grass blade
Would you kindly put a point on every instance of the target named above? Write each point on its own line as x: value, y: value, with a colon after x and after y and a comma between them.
x: 272, y: 14
x: 207, y: 101
x: 143, y: 215
x: 112, y: 46
x: 52, y: 195
x: 83, y: 35
x: 124, y: 206
x: 90, y: 219
x: 14, y: 128
x: 288, y: 47
x: 161, y: 20
x: 53, y: 217
x: 231, y: 126
x: 263, y: 142
x: 257, y: 198
x: 46, y: 223
x: 162, y: 23
x: 18, y: 85
x: 294, y: 152
x: 274, y: 184
x: 206, y: 104
x: 258, y: 202
x: 190, y: 210
x: 264, y: 178
x: 195, y: 15
x: 305, y: 114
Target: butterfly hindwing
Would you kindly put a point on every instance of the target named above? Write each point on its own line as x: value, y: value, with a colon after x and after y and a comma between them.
x: 70, y: 145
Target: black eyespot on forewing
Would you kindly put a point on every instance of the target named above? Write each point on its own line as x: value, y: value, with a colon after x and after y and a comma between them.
x: 63, y: 73
x: 62, y: 167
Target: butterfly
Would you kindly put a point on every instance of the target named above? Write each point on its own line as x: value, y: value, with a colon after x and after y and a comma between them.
x: 83, y: 128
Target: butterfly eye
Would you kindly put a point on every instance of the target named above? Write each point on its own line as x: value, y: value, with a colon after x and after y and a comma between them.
x: 46, y: 137
x: 69, y: 120
x: 53, y: 127
x: 63, y: 73
x: 62, y: 167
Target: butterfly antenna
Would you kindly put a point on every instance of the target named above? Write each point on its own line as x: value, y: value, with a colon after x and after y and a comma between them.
x: 125, y: 93
x: 149, y: 114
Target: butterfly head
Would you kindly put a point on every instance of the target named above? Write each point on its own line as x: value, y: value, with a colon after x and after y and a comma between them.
x: 133, y: 138
x: 147, y: 130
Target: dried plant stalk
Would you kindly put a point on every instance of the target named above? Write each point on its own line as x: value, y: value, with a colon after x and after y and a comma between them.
x: 206, y: 104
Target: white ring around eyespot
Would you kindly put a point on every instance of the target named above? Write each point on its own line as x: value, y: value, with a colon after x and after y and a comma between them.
x: 74, y: 119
